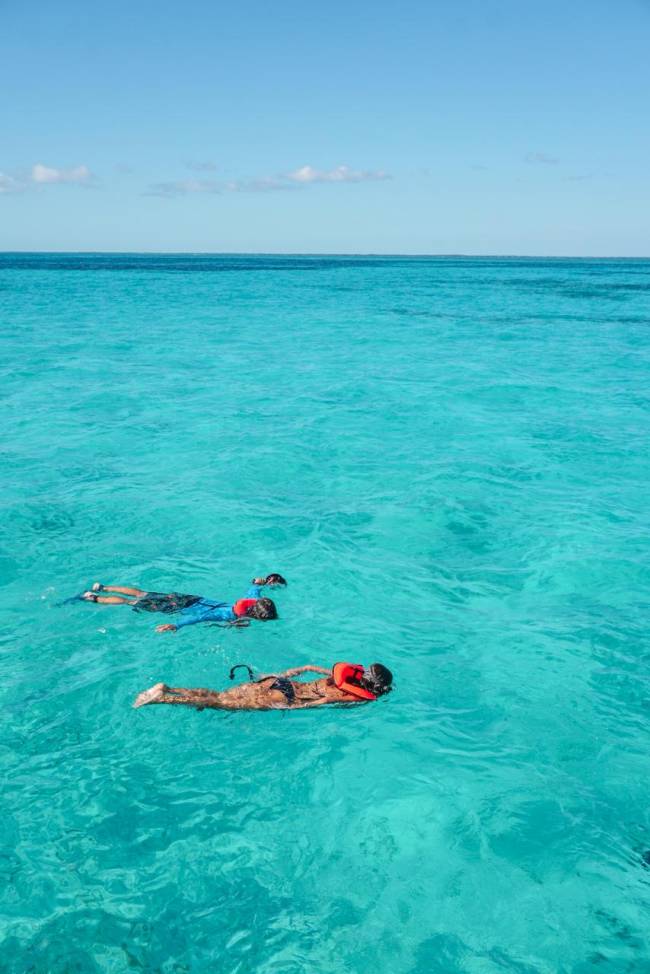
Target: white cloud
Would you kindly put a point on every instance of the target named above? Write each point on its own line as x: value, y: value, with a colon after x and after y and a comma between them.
x: 266, y: 184
x: 341, y: 174
x: 304, y: 176
x: 10, y: 185
x: 40, y: 175
x: 541, y: 158
x: 183, y: 187
x: 45, y: 174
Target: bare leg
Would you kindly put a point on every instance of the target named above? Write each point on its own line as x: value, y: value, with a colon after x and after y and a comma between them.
x: 123, y: 590
x: 161, y: 693
x: 107, y: 599
x: 120, y: 589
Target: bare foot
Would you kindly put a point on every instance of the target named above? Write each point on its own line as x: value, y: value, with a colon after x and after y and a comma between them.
x: 152, y: 695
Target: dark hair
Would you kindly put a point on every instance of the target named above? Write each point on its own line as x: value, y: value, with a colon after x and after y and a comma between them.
x: 378, y: 679
x: 264, y: 609
x: 275, y: 579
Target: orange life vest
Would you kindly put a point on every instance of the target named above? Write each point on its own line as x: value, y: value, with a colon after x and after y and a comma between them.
x: 346, y: 677
x: 241, y: 606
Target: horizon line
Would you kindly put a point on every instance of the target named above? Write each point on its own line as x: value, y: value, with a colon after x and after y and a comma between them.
x: 314, y: 253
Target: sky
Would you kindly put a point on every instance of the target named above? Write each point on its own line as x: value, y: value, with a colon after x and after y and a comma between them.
x: 425, y: 127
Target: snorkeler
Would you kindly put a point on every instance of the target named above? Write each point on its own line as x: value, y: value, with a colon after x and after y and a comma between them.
x: 192, y: 608
x: 345, y: 683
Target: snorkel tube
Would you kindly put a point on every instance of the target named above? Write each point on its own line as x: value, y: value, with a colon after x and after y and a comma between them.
x: 241, y: 666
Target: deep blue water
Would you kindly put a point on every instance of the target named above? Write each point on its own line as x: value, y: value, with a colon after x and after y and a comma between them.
x: 449, y: 460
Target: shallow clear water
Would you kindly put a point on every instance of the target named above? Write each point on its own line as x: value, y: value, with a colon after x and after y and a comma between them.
x: 449, y: 460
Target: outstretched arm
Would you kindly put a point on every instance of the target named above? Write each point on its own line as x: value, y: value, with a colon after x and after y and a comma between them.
x: 297, y: 670
x: 220, y: 613
x: 308, y: 669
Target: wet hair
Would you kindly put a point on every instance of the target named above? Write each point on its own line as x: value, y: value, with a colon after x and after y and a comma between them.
x: 378, y: 679
x: 264, y: 609
x: 275, y: 579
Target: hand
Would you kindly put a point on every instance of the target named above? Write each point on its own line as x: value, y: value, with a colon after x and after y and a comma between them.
x: 259, y: 581
x: 168, y: 627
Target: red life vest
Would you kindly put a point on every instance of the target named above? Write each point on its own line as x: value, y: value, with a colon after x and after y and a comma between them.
x: 241, y: 606
x: 346, y: 677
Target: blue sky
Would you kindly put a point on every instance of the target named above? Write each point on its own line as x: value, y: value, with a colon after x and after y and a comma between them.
x: 482, y: 127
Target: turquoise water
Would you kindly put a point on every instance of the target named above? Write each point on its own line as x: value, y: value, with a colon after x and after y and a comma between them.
x: 449, y: 460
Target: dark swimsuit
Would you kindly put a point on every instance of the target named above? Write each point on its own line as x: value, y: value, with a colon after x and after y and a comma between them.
x: 165, y: 602
x: 286, y: 687
x: 283, y: 684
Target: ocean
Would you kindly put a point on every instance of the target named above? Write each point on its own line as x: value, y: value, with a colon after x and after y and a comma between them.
x: 449, y: 460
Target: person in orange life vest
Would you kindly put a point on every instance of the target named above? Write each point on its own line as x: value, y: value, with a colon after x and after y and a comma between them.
x: 191, y: 608
x: 345, y: 683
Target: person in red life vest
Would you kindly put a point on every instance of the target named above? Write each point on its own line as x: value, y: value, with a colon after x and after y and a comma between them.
x: 345, y: 683
x: 191, y: 608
